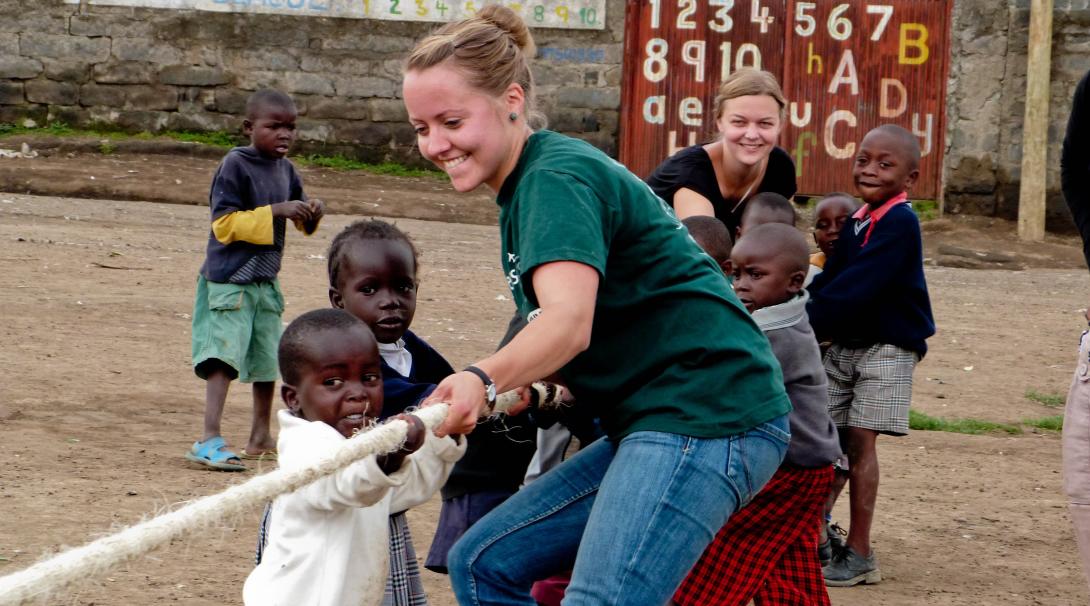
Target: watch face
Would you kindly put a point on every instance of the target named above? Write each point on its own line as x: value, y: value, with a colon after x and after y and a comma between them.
x: 490, y: 392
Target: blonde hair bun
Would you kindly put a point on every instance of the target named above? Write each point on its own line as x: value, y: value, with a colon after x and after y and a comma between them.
x: 509, y: 21
x: 490, y: 49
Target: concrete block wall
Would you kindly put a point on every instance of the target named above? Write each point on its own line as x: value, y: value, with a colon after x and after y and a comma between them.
x: 986, y: 102
x: 156, y: 69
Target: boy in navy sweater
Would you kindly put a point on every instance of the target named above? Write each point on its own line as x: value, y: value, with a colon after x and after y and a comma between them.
x: 871, y: 302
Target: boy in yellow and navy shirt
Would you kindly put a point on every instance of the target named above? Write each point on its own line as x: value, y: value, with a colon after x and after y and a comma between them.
x: 236, y: 314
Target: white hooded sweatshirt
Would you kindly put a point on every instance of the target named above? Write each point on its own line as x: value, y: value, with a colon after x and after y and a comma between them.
x: 328, y: 541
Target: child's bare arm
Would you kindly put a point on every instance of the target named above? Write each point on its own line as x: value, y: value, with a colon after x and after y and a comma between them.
x: 427, y: 470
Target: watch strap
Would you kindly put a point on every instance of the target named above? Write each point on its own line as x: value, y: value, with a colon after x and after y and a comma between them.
x: 489, y: 385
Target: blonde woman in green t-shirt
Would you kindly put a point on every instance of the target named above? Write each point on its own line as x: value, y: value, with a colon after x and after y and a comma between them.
x: 627, y: 311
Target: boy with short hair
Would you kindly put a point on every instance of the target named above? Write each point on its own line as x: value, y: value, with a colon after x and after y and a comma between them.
x: 236, y: 312
x: 871, y: 302
x: 766, y: 207
x: 712, y: 235
x: 767, y: 552
x: 830, y: 215
x: 328, y: 542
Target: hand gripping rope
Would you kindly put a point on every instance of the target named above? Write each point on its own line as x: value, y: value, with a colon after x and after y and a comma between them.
x: 49, y: 577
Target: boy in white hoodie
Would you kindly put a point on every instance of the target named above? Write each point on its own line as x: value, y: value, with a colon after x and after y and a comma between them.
x: 328, y: 541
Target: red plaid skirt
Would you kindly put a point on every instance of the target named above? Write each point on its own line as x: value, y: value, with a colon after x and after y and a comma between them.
x: 767, y: 552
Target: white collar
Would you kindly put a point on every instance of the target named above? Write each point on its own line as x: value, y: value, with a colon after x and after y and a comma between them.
x: 395, y: 354
x: 788, y: 313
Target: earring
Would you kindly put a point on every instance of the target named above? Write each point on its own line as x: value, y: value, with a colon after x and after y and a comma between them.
x: 513, y: 116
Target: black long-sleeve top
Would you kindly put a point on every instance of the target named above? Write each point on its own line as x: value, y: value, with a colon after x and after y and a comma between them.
x: 1075, y: 164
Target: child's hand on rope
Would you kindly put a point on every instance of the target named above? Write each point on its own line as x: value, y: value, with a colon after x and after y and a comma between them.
x: 414, y: 440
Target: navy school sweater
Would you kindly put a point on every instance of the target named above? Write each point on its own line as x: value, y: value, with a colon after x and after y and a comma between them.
x: 875, y: 293
x: 428, y: 368
x: 498, y: 450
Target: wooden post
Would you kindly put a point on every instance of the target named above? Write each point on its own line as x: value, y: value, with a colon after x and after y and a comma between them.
x: 1031, y: 196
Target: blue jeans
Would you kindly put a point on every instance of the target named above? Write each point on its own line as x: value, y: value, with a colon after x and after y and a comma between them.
x: 630, y: 518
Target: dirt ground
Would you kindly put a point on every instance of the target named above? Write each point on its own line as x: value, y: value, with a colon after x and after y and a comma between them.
x: 98, y: 402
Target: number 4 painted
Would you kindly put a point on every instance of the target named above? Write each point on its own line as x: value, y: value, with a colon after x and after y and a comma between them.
x: 759, y: 14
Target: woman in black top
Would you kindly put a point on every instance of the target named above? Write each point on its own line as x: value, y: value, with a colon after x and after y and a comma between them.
x: 718, y: 178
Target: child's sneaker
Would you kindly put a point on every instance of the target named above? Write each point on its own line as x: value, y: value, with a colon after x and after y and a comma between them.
x: 832, y: 544
x: 848, y: 568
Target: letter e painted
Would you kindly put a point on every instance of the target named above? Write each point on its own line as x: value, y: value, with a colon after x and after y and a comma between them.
x: 690, y: 111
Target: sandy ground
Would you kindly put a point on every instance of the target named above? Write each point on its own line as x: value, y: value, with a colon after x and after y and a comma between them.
x: 98, y: 403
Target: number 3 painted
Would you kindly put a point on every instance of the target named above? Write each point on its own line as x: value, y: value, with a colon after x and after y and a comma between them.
x: 722, y: 22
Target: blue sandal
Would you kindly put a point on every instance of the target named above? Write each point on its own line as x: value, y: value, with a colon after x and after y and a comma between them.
x: 213, y: 453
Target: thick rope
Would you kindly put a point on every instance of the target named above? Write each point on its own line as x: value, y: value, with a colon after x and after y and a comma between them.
x: 48, y: 577
x: 96, y: 558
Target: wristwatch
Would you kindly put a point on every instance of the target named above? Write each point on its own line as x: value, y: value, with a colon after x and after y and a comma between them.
x: 489, y: 386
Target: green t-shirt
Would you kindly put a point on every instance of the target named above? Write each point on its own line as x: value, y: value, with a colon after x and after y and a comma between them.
x: 672, y: 349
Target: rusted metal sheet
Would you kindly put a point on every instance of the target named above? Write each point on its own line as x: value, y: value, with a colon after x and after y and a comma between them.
x: 676, y: 54
x: 846, y: 66
x: 852, y: 65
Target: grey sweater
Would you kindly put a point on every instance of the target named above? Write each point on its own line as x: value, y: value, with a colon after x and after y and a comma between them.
x: 814, y: 441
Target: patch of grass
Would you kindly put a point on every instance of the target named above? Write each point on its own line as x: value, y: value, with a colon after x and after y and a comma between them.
x: 386, y: 168
x: 219, y: 139
x: 105, y: 131
x: 1052, y: 400
x: 926, y: 210
x: 60, y: 129
x: 924, y: 422
x: 213, y: 138
x: 53, y: 128
x: 1053, y: 423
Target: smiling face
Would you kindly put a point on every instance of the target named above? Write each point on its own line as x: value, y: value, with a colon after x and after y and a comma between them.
x: 271, y: 130
x: 750, y: 126
x: 465, y: 132
x: 340, y: 382
x: 884, y: 167
x: 377, y: 284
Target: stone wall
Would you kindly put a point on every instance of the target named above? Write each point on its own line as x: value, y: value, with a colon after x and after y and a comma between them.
x: 986, y: 102
x: 154, y: 69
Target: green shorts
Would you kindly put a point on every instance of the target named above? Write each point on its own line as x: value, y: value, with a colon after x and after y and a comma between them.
x: 239, y: 325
